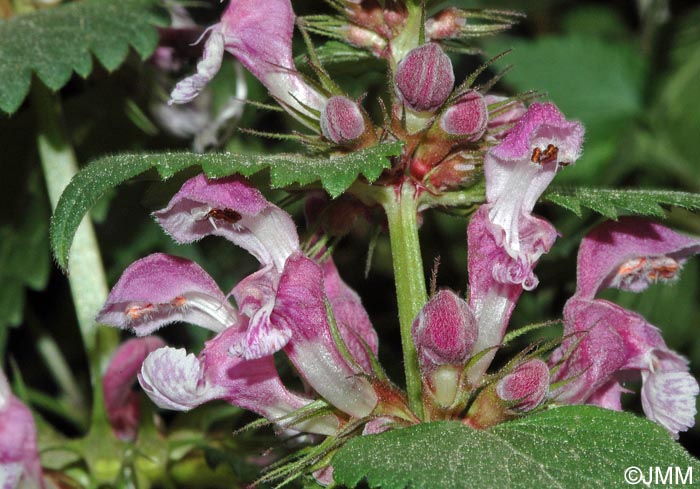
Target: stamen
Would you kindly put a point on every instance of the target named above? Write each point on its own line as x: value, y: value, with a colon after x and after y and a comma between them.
x: 178, y: 301
x: 646, y: 270
x: 547, y: 156
x: 228, y: 215
x: 550, y: 154
x: 632, y: 266
x: 135, y: 313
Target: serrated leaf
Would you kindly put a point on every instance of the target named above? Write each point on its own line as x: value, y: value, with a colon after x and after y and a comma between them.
x: 54, y: 43
x: 612, y: 202
x: 566, y: 447
x: 89, y: 185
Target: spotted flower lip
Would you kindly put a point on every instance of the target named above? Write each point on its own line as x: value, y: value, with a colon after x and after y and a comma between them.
x: 286, y: 305
x: 176, y: 380
x: 259, y: 35
x: 606, y: 343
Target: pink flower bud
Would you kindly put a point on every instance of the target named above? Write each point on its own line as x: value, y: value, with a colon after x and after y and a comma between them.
x: 468, y: 117
x: 341, y: 120
x: 526, y: 386
x: 424, y: 78
x: 444, y: 331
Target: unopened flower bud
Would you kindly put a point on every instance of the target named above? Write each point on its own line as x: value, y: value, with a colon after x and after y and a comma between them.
x: 424, y: 78
x: 526, y: 386
x: 444, y: 331
x: 467, y: 117
x: 341, y: 120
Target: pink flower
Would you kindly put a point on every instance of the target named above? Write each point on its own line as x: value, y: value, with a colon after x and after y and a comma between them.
x: 259, y: 34
x: 608, y: 343
x: 19, y: 460
x: 281, y: 306
x: 517, y: 171
x: 122, y: 403
x: 494, y: 288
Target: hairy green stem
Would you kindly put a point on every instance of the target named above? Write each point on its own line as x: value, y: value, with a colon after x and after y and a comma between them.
x: 87, y: 279
x: 411, y: 295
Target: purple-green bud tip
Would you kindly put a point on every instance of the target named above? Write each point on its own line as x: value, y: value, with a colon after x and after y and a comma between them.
x: 527, y: 385
x: 467, y: 117
x: 444, y: 331
x: 341, y: 120
x: 424, y: 78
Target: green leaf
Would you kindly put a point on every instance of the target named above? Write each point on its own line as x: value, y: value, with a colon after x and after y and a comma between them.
x: 566, y: 447
x: 53, y: 43
x: 90, y: 184
x: 612, y: 202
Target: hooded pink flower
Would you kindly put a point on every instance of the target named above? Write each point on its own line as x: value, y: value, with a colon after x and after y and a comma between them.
x: 517, y: 172
x: 607, y: 343
x: 19, y: 460
x: 282, y: 306
x: 259, y: 34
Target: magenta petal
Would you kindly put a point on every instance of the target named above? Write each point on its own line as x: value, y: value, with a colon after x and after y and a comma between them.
x: 122, y: 403
x: 188, y: 89
x: 592, y: 352
x: 232, y: 208
x: 350, y: 315
x: 301, y: 306
x: 527, y: 385
x: 444, y: 331
x: 630, y: 254
x: 259, y: 34
x: 256, y: 295
x: 609, y: 396
x: 491, y: 300
x: 161, y: 289
x: 19, y: 459
x: 519, y: 169
x: 540, y: 125
x: 255, y: 384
